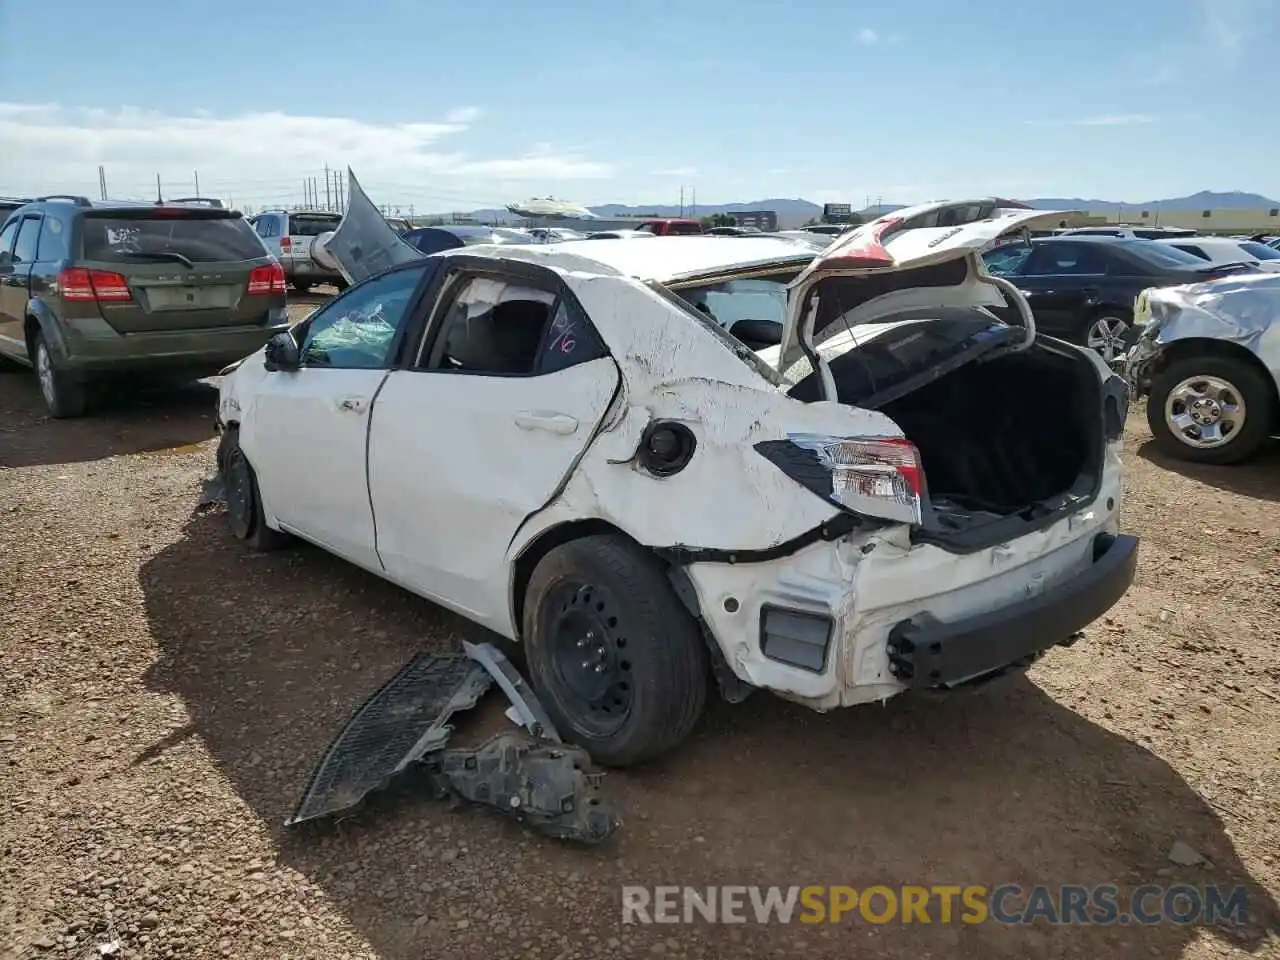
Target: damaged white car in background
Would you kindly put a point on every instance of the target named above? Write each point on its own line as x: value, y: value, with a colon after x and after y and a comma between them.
x: 1208, y: 359
x: 564, y: 444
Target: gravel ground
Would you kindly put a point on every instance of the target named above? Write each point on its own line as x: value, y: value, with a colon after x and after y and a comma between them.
x: 164, y: 694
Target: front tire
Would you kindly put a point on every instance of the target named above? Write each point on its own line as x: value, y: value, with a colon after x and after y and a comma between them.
x: 1210, y: 410
x: 244, y: 502
x: 64, y: 395
x: 618, y: 663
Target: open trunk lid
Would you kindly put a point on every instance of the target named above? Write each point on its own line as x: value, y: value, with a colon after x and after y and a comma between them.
x: 364, y: 243
x: 909, y: 243
x: 170, y: 268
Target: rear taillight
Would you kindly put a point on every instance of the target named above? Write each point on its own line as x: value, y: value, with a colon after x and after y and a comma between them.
x: 84, y: 286
x: 873, y: 476
x: 266, y: 280
x: 286, y: 244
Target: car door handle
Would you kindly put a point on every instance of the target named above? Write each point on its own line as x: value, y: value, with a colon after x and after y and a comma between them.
x: 351, y: 404
x: 560, y: 423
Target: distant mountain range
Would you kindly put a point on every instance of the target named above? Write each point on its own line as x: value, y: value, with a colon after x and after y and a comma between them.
x: 797, y: 211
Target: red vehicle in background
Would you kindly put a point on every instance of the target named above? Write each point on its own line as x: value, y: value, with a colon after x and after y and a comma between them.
x: 672, y: 227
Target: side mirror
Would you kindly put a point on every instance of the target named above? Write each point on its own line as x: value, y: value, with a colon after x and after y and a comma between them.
x: 282, y: 353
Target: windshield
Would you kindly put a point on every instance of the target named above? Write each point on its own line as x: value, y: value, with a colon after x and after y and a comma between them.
x: 1163, y: 255
x: 727, y: 303
x: 312, y: 226
x: 196, y: 239
x: 732, y: 343
x: 1260, y: 251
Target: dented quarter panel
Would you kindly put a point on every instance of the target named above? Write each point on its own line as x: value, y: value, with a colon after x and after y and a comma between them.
x: 1238, y: 309
x: 728, y: 496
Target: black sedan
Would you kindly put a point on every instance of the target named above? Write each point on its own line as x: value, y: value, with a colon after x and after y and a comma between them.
x: 1082, y: 288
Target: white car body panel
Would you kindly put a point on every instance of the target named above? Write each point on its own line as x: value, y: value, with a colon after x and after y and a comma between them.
x: 458, y: 486
x: 463, y: 477
x: 308, y: 424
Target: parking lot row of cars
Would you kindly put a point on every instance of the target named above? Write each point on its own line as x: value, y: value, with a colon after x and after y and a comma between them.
x: 90, y: 289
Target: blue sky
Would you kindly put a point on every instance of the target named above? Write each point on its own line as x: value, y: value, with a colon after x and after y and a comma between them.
x: 451, y: 105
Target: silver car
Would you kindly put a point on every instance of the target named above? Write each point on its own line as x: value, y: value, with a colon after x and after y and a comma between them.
x: 1207, y: 357
x: 288, y: 236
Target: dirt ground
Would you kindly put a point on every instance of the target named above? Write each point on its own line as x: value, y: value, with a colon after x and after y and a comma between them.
x: 164, y: 694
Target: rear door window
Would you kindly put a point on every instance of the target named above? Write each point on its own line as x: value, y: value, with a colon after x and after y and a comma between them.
x: 1064, y: 259
x: 142, y: 239
x: 1193, y: 250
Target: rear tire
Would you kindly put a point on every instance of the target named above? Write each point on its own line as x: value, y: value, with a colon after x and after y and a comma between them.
x: 244, y: 501
x: 1236, y: 379
x: 64, y: 395
x: 618, y: 663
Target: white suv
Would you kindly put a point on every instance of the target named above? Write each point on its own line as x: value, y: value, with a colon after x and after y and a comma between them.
x: 288, y: 235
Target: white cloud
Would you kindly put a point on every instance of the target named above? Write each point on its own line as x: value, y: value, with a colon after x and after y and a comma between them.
x: 867, y: 36
x: 263, y: 157
x: 1117, y: 120
x: 677, y: 172
x: 1103, y: 120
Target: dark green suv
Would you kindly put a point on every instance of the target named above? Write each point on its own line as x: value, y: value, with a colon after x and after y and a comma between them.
x: 93, y: 288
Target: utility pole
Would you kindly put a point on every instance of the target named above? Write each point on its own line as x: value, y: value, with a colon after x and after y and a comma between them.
x: 328, y: 204
x: 694, y: 202
x: 159, y: 197
x: 682, y: 201
x: 102, y: 181
x: 197, y: 176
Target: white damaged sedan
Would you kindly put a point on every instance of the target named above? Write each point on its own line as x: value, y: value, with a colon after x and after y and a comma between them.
x: 871, y: 485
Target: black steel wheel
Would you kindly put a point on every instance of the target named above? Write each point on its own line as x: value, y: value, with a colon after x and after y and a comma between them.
x: 588, y: 653
x: 619, y: 664
x: 244, y: 502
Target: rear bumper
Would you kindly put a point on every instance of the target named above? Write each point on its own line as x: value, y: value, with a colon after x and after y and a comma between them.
x: 180, y: 350
x: 816, y: 625
x: 307, y: 270
x: 925, y: 653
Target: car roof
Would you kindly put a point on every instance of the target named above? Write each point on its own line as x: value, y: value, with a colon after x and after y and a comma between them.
x: 665, y: 260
